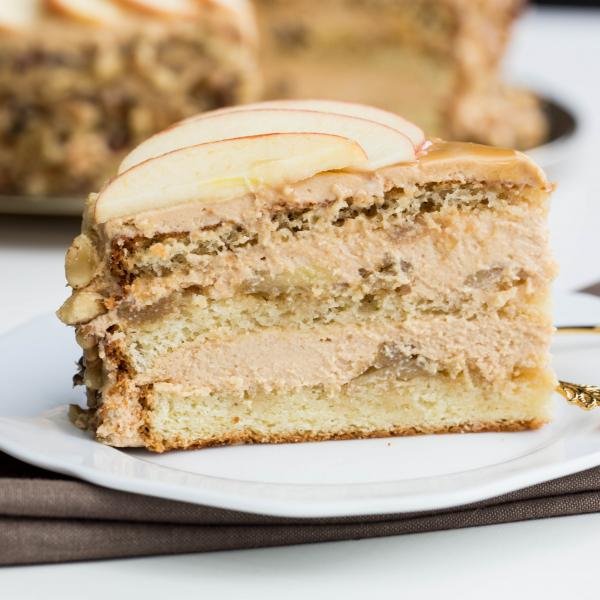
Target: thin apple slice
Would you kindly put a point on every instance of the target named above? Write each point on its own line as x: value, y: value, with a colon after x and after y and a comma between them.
x: 94, y: 12
x: 224, y: 170
x: 384, y: 146
x: 16, y: 15
x: 164, y: 8
x: 352, y: 109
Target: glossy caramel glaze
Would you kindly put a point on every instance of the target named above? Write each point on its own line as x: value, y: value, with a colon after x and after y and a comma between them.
x: 443, y: 161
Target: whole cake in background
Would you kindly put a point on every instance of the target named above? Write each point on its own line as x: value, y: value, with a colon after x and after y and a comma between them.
x: 84, y: 81
x: 435, y: 61
x: 311, y: 270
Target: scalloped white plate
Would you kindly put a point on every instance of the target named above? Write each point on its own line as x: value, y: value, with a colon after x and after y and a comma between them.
x: 306, y: 480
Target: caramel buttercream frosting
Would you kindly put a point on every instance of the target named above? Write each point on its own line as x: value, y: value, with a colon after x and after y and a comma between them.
x: 256, y: 296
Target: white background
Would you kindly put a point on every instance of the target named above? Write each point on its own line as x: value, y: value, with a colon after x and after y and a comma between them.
x: 558, y: 52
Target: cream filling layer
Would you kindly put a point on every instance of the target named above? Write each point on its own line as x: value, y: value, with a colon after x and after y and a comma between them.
x: 437, y: 258
x: 333, y: 355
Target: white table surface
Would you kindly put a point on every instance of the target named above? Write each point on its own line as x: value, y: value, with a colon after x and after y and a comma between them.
x: 556, y: 558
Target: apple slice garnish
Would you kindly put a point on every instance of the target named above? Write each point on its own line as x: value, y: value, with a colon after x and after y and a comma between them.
x: 16, y: 15
x: 384, y: 146
x: 352, y: 109
x: 163, y: 8
x: 95, y: 12
x: 220, y: 171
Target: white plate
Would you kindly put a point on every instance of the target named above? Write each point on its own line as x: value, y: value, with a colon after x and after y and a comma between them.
x: 306, y: 480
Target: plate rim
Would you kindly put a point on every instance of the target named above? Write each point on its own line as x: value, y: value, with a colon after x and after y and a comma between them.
x: 332, y: 508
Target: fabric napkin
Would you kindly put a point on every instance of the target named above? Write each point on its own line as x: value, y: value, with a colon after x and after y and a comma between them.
x: 48, y: 518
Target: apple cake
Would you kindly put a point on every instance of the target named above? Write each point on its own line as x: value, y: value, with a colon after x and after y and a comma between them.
x: 311, y: 270
x: 434, y: 61
x: 84, y: 81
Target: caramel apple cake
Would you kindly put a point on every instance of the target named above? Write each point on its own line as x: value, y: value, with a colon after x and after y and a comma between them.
x: 311, y: 270
x: 84, y: 81
x: 435, y: 61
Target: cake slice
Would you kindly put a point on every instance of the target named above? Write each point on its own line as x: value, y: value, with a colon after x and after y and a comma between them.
x: 311, y: 271
x: 436, y: 62
x: 82, y: 82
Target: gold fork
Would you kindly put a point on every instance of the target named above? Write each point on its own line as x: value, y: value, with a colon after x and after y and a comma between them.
x: 586, y: 397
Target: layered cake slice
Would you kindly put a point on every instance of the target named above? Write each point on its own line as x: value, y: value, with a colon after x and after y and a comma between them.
x: 301, y: 271
x: 434, y: 61
x: 82, y: 82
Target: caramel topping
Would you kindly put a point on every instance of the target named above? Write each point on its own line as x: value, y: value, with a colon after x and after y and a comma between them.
x: 444, y: 161
x: 444, y: 151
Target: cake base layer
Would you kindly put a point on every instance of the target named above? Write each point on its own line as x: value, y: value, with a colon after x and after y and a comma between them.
x: 374, y: 405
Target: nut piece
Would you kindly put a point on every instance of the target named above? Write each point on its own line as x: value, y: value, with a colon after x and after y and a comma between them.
x: 81, y: 307
x: 80, y: 417
x: 91, y: 354
x: 86, y: 342
x: 81, y: 262
x: 88, y: 212
x: 92, y: 377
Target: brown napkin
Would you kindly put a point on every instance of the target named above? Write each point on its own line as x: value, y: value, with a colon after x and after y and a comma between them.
x: 47, y: 518
x: 594, y: 290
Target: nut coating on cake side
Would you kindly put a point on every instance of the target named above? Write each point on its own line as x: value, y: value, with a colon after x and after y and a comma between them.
x: 85, y: 81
